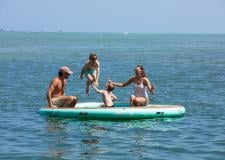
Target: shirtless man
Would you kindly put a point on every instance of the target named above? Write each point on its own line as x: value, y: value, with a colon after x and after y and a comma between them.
x: 107, y: 96
x: 56, y: 91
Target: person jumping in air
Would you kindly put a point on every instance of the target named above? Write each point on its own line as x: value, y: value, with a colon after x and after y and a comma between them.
x: 107, y: 96
x: 91, y: 70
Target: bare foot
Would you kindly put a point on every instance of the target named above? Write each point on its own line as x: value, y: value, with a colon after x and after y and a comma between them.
x: 52, y: 107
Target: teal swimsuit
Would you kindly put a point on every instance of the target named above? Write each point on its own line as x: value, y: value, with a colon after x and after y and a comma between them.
x: 89, y: 71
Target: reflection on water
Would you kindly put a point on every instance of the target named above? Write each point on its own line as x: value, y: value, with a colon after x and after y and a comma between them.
x: 54, y: 153
x: 90, y: 145
x: 69, y: 135
x: 55, y: 124
x: 57, y: 141
x: 90, y: 139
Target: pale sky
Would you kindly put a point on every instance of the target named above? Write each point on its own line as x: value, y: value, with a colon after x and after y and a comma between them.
x: 139, y: 16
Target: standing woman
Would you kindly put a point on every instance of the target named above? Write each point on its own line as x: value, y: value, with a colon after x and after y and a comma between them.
x: 141, y: 85
x: 91, y: 70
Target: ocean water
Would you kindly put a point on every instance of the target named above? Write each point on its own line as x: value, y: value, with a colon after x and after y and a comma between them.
x: 187, y: 69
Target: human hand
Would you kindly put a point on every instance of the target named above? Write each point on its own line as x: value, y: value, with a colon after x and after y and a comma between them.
x: 95, y: 83
x: 51, y: 105
x: 152, y: 89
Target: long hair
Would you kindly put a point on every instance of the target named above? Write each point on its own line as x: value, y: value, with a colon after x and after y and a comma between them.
x: 92, y: 55
x: 143, y: 70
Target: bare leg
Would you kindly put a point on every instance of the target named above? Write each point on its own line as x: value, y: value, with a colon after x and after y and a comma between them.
x: 132, y: 100
x: 94, y: 82
x: 140, y: 101
x: 74, y: 102
x: 87, y: 88
x: 88, y: 84
x: 70, y: 101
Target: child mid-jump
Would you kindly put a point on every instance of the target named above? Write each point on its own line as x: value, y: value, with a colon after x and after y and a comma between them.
x: 91, y: 70
x: 107, y: 96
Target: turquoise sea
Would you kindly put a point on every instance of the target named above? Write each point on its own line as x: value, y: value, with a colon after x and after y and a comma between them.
x: 187, y: 69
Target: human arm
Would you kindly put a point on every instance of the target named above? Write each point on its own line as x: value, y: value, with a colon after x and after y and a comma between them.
x: 97, y: 90
x: 49, y: 93
x: 97, y: 72
x: 113, y: 97
x: 123, y: 84
x: 64, y: 86
x: 150, y: 87
x: 82, y: 70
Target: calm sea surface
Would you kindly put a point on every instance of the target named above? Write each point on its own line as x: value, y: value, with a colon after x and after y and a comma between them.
x: 188, y: 69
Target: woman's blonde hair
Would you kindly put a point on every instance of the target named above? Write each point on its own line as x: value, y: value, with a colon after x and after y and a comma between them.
x: 92, y: 55
x: 143, y: 70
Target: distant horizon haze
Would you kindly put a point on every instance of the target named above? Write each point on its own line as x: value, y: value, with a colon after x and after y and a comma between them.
x: 146, y: 16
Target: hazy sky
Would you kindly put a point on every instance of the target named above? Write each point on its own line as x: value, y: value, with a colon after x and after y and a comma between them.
x: 152, y: 16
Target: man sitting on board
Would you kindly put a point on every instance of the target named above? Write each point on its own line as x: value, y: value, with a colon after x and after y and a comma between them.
x: 56, y: 91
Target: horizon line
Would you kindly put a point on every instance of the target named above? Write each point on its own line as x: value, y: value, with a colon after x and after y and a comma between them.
x: 107, y: 32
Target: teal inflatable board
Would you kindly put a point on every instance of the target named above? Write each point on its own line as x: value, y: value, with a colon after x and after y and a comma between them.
x: 121, y: 111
